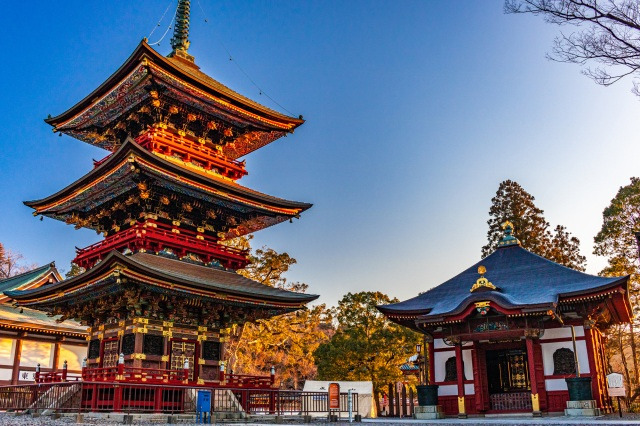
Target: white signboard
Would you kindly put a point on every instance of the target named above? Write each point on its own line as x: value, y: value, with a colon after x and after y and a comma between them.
x: 615, y: 385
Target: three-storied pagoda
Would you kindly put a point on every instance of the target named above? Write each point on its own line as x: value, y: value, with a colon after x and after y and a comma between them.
x: 161, y: 285
x: 499, y: 334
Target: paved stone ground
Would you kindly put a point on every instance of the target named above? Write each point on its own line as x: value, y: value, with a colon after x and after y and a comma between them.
x: 628, y: 419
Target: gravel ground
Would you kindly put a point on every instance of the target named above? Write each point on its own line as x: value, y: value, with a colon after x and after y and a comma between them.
x: 628, y: 419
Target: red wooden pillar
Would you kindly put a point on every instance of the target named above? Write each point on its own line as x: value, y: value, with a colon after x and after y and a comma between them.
x: 480, y: 377
x: 15, y: 371
x: 432, y: 368
x: 462, y: 411
x: 533, y: 378
x: 596, y: 375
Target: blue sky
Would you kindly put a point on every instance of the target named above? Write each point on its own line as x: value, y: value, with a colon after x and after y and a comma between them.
x: 415, y: 112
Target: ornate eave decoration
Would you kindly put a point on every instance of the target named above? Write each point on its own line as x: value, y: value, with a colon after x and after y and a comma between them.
x: 482, y: 282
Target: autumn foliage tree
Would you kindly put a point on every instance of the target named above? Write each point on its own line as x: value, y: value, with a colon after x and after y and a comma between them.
x: 516, y: 205
x: 286, y: 342
x: 10, y: 263
x: 366, y: 345
x: 617, y: 241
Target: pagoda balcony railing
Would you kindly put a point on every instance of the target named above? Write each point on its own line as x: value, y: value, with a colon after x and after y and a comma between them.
x: 134, y: 375
x: 168, y: 143
x: 141, y: 236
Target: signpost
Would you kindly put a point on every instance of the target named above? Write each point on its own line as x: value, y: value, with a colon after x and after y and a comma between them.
x: 615, y: 387
x: 334, y: 399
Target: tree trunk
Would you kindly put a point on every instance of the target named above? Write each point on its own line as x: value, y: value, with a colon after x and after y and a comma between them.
x: 376, y: 402
x: 624, y: 358
x: 633, y: 352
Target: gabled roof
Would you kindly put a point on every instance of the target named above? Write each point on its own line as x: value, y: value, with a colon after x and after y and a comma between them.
x: 30, y: 279
x: 522, y: 279
x: 170, y: 274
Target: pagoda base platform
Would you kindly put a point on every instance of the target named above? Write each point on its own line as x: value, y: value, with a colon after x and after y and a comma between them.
x: 428, y: 412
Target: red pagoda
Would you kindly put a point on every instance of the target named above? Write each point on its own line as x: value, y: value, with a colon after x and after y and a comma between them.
x: 161, y: 287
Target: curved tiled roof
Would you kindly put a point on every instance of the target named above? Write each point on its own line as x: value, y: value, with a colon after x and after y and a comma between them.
x: 17, y: 281
x: 191, y: 276
x: 523, y: 280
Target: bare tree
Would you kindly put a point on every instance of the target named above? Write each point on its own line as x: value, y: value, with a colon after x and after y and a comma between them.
x: 9, y: 263
x: 608, y: 34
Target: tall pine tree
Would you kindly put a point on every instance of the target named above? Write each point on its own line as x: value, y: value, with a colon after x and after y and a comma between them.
x: 618, y: 242
x: 516, y: 205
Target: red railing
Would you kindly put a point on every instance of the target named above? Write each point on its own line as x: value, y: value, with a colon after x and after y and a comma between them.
x: 134, y: 375
x: 158, y: 234
x: 166, y: 142
x: 120, y: 397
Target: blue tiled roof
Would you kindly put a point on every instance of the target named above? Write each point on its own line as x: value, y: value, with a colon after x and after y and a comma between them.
x: 523, y: 279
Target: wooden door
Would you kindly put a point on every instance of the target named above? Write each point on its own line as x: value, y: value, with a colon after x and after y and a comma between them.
x: 181, y: 350
x: 110, y: 353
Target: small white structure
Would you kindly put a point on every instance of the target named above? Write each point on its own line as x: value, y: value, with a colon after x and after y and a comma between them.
x: 363, y: 389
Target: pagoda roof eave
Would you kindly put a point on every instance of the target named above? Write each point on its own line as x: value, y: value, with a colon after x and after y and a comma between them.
x: 173, y: 65
x: 172, y: 272
x: 29, y: 277
x: 130, y: 147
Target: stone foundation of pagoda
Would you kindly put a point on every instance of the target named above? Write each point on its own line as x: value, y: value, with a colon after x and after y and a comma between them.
x: 153, y: 236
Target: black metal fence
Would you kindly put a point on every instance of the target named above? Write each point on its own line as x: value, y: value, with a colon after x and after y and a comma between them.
x: 140, y: 398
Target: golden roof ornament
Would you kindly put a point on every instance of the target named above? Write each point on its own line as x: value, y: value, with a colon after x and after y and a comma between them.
x: 482, y: 282
x: 508, y: 239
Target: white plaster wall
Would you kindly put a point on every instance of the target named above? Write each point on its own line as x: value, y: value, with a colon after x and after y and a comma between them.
x: 440, y: 358
x: 447, y: 390
x: 469, y: 389
x: 555, y: 385
x: 73, y: 355
x: 7, y: 351
x: 562, y: 332
x: 468, y: 364
x: 5, y: 374
x: 549, y: 348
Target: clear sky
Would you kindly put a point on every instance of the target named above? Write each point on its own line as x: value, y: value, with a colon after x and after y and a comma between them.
x: 416, y: 110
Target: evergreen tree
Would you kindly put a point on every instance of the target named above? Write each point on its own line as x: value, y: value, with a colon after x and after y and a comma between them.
x: 617, y: 241
x: 512, y: 203
x: 366, y: 345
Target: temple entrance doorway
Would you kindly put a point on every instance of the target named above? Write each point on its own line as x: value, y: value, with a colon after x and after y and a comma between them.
x: 508, y: 379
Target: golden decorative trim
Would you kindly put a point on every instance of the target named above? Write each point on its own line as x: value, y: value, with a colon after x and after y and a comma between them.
x: 202, y: 328
x: 535, y: 402
x: 138, y: 356
x: 101, y: 327
x: 120, y: 332
x: 141, y: 320
x: 201, y: 337
x: 482, y: 281
x: 101, y: 336
x: 201, y: 361
x: 121, y: 323
x: 167, y: 323
x: 167, y: 333
x: 164, y: 358
x: 461, y: 408
x: 201, y: 381
x: 142, y: 330
x: 223, y: 339
x: 482, y: 304
x: 89, y: 329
